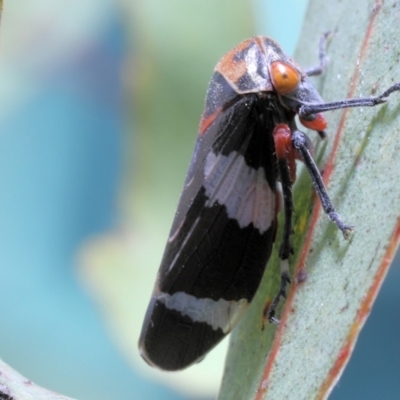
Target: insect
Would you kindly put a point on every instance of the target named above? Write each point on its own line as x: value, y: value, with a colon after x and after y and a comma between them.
x: 226, y: 220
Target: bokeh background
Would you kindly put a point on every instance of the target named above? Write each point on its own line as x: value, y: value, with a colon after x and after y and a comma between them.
x: 99, y: 106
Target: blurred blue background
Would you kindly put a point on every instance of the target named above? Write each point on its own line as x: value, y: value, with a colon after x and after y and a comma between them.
x: 61, y: 124
x: 65, y: 109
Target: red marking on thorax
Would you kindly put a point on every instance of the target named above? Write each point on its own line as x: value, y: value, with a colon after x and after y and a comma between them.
x: 230, y: 66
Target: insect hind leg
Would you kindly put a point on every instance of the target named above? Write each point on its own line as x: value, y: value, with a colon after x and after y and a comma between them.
x: 285, y: 280
x: 287, y: 172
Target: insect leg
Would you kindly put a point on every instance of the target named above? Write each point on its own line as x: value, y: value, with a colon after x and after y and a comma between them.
x: 286, y: 167
x: 286, y: 246
x: 323, y: 59
x: 306, y: 110
x: 300, y: 143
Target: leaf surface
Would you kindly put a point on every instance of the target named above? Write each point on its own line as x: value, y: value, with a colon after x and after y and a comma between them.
x: 335, y: 281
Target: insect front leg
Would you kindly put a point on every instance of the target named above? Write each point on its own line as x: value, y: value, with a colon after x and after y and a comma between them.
x: 323, y: 59
x: 307, y: 110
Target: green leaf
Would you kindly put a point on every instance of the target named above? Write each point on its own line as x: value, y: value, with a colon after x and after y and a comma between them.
x: 335, y: 281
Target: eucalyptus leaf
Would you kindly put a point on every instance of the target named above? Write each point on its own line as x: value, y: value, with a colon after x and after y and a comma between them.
x: 335, y: 281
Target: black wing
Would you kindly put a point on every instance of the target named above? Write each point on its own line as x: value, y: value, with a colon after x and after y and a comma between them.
x: 220, y: 240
